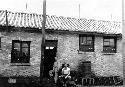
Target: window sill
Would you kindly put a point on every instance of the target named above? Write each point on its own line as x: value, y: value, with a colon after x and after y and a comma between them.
x: 81, y: 52
x: 20, y: 64
x: 106, y: 53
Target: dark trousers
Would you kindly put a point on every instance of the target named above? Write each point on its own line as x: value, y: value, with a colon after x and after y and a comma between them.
x: 64, y: 79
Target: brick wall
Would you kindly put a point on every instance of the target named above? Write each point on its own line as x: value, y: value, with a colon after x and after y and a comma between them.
x: 35, y: 52
x: 102, y: 64
x: 68, y: 46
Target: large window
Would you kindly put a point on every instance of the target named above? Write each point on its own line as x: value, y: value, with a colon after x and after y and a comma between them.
x: 109, y: 44
x: 86, y: 43
x: 20, y: 51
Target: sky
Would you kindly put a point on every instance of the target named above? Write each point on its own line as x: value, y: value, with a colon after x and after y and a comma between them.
x: 109, y: 10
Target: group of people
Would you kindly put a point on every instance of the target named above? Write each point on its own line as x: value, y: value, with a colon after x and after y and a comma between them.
x: 62, y: 72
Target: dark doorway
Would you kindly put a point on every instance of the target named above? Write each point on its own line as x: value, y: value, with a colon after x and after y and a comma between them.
x: 50, y: 54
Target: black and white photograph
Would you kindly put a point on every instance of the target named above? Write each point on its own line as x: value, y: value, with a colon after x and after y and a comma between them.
x: 62, y: 43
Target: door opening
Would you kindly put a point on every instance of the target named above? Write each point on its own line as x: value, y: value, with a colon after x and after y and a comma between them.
x: 49, y: 56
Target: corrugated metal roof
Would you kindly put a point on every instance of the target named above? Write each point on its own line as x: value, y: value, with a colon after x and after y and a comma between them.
x: 32, y: 20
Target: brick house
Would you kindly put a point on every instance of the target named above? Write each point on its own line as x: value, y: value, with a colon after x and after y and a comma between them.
x: 71, y: 40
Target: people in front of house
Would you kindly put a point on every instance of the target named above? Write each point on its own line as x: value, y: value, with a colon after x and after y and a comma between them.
x: 65, y: 73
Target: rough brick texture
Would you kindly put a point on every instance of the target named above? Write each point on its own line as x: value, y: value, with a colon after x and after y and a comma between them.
x: 67, y: 51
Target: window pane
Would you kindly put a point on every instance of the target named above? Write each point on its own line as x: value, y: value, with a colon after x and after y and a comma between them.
x: 82, y: 40
x: 89, y: 42
x: 51, y: 47
x: 112, y: 43
x: 107, y: 40
x: 25, y: 56
x: 47, y: 47
x: 25, y: 50
x: 112, y: 40
x: 89, y: 38
x: 17, y: 46
x: 24, y: 45
x: 15, y: 52
x: 106, y: 43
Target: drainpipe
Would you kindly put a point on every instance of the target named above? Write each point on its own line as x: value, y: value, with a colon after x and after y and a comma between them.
x: 43, y: 41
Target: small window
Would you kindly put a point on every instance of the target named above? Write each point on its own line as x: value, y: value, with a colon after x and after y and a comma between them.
x: 20, y: 51
x: 86, y: 43
x: 49, y: 48
x: 109, y: 44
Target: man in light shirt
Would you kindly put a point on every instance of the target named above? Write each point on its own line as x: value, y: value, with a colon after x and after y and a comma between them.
x: 65, y: 73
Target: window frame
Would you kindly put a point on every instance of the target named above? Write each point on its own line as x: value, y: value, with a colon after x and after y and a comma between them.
x: 85, y: 47
x: 110, y: 49
x: 20, y: 53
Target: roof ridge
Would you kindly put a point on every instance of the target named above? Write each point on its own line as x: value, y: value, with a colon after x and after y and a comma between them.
x: 20, y: 12
x: 108, y: 21
x: 65, y: 17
